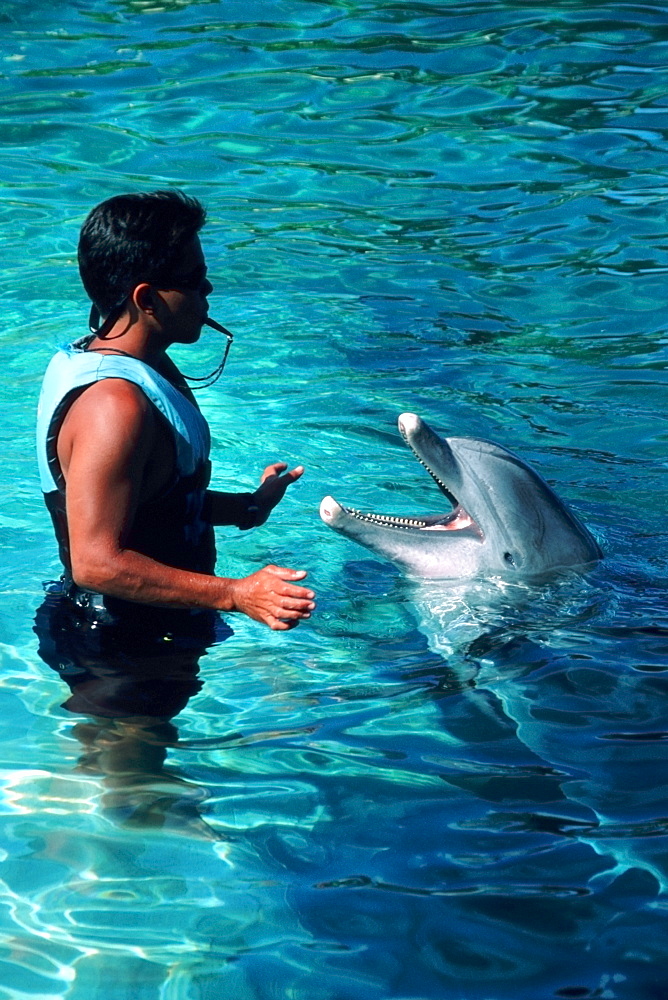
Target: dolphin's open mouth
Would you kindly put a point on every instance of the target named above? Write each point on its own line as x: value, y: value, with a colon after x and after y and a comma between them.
x: 457, y: 518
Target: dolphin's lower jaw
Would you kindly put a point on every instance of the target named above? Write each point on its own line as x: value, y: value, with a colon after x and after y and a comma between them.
x: 335, y: 514
x: 504, y: 519
x: 412, y: 543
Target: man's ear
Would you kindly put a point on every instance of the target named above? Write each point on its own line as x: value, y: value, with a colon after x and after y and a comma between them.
x: 144, y: 298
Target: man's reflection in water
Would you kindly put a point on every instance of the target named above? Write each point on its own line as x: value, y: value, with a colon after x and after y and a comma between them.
x: 131, y: 676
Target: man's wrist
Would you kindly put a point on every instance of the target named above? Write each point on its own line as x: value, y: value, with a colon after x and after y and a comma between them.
x: 239, y: 509
x: 250, y: 516
x: 227, y: 597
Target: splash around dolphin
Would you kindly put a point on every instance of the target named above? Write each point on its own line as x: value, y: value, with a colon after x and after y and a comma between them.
x: 502, y: 518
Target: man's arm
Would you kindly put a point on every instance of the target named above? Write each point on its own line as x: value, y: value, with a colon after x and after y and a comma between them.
x: 105, y: 448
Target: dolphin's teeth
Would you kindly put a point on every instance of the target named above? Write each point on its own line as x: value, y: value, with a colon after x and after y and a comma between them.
x: 439, y: 482
x: 386, y: 520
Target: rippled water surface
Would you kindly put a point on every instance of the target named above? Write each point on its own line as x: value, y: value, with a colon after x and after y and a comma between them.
x: 456, y: 209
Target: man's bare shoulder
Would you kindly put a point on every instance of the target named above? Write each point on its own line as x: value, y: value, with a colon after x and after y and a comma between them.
x: 108, y: 415
x: 125, y: 400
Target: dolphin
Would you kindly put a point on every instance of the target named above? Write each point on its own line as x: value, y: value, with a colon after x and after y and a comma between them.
x: 503, y: 520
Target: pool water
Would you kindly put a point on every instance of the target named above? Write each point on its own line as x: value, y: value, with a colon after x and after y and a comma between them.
x: 454, y: 209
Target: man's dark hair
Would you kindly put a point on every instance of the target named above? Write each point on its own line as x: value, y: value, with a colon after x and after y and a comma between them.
x: 132, y: 238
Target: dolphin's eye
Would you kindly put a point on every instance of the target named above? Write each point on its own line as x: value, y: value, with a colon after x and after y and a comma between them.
x: 508, y: 559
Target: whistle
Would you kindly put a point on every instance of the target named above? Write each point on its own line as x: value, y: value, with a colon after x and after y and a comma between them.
x: 218, y: 328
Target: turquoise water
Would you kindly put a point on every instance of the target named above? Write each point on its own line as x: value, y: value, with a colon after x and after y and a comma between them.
x: 457, y: 209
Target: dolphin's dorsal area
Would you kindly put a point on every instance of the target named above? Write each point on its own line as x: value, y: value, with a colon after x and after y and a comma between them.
x: 500, y: 518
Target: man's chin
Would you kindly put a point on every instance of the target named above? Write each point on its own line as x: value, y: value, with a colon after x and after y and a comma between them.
x: 189, y: 336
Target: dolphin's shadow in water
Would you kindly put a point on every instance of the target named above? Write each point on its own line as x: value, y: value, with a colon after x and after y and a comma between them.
x: 481, y: 861
x: 601, y: 724
x: 597, y: 727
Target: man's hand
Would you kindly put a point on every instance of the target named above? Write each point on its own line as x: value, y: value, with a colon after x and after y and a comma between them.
x: 273, y: 484
x: 267, y: 597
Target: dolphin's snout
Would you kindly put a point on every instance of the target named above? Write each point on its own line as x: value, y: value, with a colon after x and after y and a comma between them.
x: 328, y: 508
x: 408, y: 423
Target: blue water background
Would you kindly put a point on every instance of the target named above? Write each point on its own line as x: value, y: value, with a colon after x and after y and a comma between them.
x: 456, y: 209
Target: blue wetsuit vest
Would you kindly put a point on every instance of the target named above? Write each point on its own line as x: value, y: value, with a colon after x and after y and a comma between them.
x: 171, y: 528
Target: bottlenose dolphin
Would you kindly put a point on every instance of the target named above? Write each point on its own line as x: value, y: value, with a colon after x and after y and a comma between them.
x: 504, y: 520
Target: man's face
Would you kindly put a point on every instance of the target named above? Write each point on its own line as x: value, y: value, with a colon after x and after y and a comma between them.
x: 185, y: 298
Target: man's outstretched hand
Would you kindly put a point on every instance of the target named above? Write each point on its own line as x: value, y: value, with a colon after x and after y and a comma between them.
x: 273, y: 484
x: 268, y: 597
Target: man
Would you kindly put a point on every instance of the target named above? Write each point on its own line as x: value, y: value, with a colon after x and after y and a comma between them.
x: 124, y: 450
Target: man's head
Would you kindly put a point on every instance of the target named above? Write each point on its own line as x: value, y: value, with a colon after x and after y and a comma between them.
x: 133, y: 238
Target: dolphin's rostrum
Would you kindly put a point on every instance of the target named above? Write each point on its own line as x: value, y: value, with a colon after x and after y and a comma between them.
x: 503, y: 518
